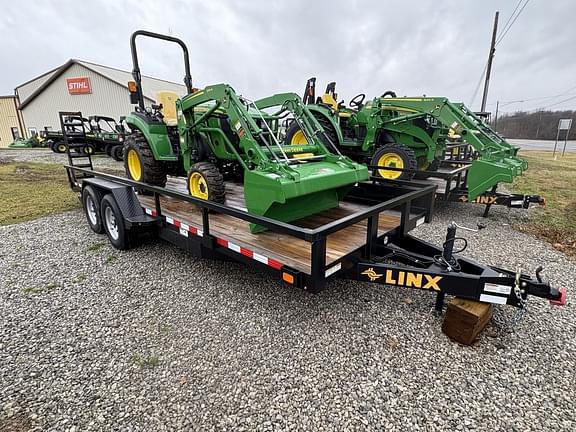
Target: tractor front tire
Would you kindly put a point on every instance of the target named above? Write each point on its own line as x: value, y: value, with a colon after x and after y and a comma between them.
x: 394, y: 155
x: 295, y: 136
x: 139, y: 161
x: 206, y: 182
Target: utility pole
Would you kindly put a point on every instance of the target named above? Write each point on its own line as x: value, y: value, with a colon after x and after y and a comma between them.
x: 489, y: 66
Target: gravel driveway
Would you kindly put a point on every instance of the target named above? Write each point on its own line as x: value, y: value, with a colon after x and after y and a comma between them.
x: 152, y: 339
x: 100, y: 161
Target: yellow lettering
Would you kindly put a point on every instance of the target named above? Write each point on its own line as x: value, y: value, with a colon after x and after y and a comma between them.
x: 414, y: 280
x: 401, y: 278
x: 432, y: 282
x: 389, y: 279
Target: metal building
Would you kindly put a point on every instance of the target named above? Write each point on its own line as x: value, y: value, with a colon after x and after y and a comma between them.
x: 10, y: 121
x: 79, y: 85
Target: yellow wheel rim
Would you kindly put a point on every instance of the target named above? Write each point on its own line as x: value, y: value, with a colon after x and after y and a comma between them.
x: 134, y: 166
x: 61, y: 148
x: 198, y: 186
x: 299, y: 138
x: 390, y: 160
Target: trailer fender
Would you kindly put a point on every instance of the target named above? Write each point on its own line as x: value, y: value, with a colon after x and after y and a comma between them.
x: 125, y: 197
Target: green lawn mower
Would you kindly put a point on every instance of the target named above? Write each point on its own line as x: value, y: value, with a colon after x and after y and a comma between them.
x: 213, y: 135
x: 34, y: 141
x: 404, y: 135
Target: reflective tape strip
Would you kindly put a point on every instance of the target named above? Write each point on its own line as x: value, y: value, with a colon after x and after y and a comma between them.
x: 183, y: 228
x: 333, y: 270
x: 249, y: 253
x: 493, y: 299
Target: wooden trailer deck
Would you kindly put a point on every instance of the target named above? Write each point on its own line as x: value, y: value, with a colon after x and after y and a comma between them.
x: 283, y: 248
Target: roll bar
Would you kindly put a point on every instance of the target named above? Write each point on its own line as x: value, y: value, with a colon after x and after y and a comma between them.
x: 136, y: 68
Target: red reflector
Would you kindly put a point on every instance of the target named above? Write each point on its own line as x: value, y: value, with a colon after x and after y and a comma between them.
x: 274, y: 264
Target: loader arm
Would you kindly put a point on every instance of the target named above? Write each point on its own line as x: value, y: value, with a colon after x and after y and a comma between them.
x: 497, y: 162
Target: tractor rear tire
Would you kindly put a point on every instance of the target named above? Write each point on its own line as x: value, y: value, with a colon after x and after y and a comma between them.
x: 139, y: 161
x: 294, y: 135
x: 395, y: 156
x: 206, y: 182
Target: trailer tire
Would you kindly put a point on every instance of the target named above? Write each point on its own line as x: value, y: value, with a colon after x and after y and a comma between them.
x: 91, y: 201
x: 113, y: 222
x: 206, y: 182
x: 395, y: 156
x: 139, y: 161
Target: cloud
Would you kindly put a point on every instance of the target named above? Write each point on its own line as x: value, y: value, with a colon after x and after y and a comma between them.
x: 264, y: 46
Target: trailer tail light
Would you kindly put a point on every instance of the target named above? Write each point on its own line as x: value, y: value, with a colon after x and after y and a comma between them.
x: 562, y: 300
x: 288, y: 278
x: 132, y: 87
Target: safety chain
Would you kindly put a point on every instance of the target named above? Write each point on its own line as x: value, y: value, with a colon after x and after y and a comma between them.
x: 510, y: 325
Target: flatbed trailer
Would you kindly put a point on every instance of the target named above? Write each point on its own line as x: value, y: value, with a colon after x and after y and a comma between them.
x: 367, y: 238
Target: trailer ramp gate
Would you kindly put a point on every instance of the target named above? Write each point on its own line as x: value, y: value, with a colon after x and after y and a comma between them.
x: 391, y: 258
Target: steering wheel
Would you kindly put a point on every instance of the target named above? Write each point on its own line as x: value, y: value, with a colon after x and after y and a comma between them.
x: 389, y: 93
x: 357, y: 100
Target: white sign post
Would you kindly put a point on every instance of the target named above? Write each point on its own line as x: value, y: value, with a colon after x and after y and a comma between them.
x: 566, y: 125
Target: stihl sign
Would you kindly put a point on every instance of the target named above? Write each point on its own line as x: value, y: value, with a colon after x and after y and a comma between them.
x: 80, y: 85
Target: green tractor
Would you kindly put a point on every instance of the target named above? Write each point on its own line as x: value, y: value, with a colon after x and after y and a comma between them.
x: 213, y: 135
x: 400, y: 136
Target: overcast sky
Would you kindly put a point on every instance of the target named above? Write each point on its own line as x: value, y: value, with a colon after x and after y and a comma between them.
x: 260, y: 47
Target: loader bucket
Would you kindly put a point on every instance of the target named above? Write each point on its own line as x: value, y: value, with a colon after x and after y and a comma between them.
x: 485, y: 173
x: 316, y: 187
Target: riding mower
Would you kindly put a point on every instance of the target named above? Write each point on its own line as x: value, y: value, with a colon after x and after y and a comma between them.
x: 213, y: 135
x: 32, y: 142
x: 403, y: 135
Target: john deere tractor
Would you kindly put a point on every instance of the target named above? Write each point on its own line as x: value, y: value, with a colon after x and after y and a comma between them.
x: 213, y: 135
x: 403, y: 135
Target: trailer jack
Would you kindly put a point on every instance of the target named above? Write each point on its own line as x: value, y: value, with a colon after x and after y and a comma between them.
x: 412, y: 263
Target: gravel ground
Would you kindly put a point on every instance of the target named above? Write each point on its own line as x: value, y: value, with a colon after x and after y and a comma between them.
x: 153, y: 339
x: 48, y: 156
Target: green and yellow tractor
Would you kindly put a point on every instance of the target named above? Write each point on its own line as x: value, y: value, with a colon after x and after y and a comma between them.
x: 212, y: 135
x: 404, y: 135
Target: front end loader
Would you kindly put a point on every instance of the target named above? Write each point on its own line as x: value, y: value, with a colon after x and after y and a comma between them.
x: 404, y: 135
x: 212, y: 135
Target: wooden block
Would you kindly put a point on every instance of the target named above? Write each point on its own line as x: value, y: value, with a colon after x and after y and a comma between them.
x: 465, y: 320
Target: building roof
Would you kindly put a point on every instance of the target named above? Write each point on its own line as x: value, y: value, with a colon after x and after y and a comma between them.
x: 150, y: 85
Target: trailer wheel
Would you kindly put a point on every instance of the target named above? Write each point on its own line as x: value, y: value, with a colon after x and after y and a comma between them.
x: 117, y: 153
x: 91, y: 200
x: 206, y: 182
x: 114, y: 223
x: 393, y: 155
x: 108, y: 149
x: 139, y: 161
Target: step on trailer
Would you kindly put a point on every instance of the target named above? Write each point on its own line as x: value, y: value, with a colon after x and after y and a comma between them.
x: 365, y: 239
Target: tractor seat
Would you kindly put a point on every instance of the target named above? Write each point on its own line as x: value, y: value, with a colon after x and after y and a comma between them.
x: 168, y: 101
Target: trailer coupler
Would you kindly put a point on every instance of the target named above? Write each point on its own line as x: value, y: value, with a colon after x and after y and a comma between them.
x: 413, y: 263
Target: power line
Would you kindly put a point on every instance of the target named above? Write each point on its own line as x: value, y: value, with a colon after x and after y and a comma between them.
x: 478, y: 85
x: 558, y: 103
x: 510, y: 17
x: 506, y: 30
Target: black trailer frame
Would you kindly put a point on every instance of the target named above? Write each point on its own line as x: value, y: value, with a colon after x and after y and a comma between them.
x: 416, y: 264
